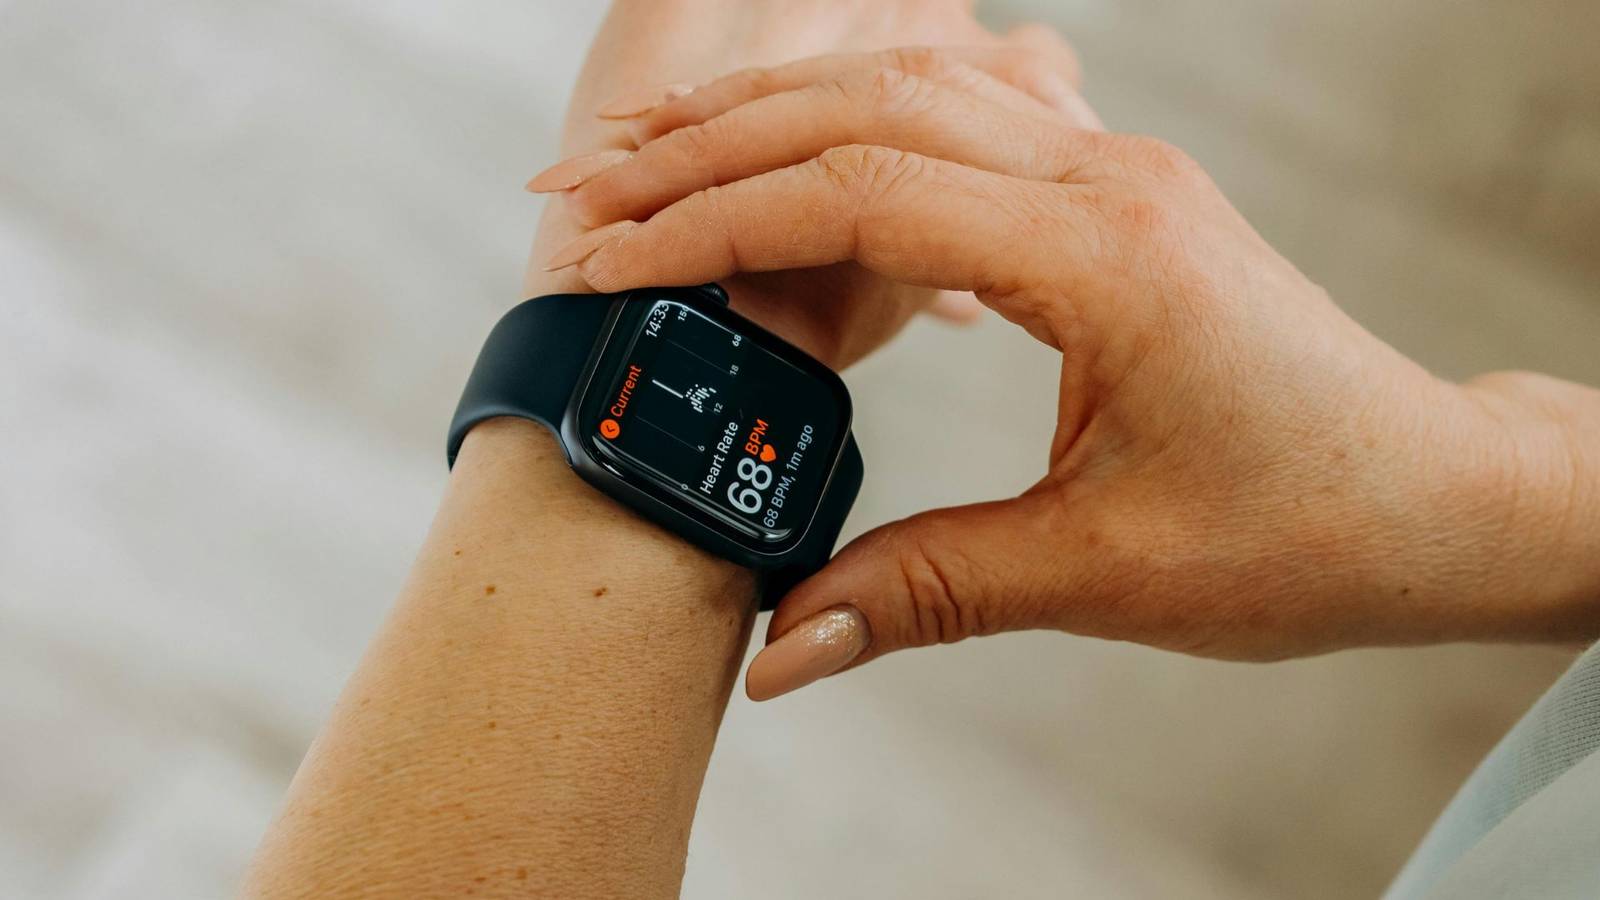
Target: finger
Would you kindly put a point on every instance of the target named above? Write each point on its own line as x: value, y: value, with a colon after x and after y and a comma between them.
x: 937, y: 577
x: 884, y: 107
x: 1035, y: 77
x: 910, y: 218
x: 956, y: 307
x: 1050, y: 45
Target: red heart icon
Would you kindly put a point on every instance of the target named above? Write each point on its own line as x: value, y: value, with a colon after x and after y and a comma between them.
x: 767, y: 453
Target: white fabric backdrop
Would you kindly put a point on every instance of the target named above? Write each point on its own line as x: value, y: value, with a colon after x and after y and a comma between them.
x: 247, y: 252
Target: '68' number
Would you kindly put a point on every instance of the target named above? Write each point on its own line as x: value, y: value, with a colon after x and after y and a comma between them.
x: 748, y: 499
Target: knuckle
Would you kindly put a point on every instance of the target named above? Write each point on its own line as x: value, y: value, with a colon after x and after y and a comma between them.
x: 928, y: 62
x: 1149, y: 239
x: 964, y: 77
x: 842, y: 165
x: 880, y: 86
x: 1164, y: 161
x: 715, y: 202
x: 1139, y: 216
x: 871, y: 168
x: 937, y: 615
x: 883, y: 81
x: 868, y: 169
x: 719, y: 209
x: 885, y: 92
x: 698, y: 146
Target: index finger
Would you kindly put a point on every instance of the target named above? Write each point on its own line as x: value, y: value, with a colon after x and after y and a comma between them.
x: 907, y: 217
x: 1042, y: 85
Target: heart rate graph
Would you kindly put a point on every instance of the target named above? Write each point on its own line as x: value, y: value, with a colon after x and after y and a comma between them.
x: 718, y: 419
x: 696, y: 396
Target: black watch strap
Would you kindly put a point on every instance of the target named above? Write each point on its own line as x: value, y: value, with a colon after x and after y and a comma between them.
x: 529, y: 368
x: 531, y: 363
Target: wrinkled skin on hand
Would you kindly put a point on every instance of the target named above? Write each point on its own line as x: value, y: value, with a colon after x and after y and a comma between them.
x: 837, y: 312
x: 1238, y: 470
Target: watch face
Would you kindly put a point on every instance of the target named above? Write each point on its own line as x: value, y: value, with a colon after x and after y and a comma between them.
x: 722, y: 417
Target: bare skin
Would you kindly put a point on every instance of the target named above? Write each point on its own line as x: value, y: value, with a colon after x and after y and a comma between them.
x: 505, y: 732
x: 536, y: 715
x: 1239, y: 470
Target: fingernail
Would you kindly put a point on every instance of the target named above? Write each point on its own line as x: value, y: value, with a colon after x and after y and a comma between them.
x: 586, y: 245
x: 642, y: 101
x: 817, y: 647
x: 569, y: 173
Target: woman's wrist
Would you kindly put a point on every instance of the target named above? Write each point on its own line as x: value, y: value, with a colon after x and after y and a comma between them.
x: 539, y: 709
x: 1483, y: 524
x: 1546, y: 438
x: 639, y: 601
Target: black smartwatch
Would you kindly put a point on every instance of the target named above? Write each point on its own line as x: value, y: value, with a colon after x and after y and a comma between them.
x: 675, y: 405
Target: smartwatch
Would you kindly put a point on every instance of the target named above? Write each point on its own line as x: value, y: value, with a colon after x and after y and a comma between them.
x: 678, y: 407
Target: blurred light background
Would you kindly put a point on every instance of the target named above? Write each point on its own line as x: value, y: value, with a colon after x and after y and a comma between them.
x: 248, y: 251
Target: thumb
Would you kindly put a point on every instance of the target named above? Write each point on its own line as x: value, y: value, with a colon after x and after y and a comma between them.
x: 934, y: 578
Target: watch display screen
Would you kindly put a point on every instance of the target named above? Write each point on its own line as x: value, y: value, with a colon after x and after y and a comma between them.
x: 706, y: 412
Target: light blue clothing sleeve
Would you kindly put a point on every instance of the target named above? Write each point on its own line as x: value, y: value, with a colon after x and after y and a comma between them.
x: 1526, y: 824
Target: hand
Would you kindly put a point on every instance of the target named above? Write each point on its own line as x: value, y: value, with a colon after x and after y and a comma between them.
x: 837, y: 312
x: 1238, y: 469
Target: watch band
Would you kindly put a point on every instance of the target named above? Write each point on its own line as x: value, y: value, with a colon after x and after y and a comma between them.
x: 531, y: 363
x: 530, y: 366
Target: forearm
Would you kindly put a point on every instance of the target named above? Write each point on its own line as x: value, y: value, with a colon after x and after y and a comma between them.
x: 537, y: 714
